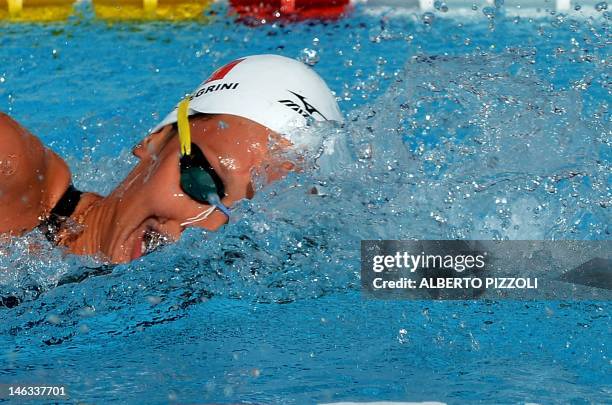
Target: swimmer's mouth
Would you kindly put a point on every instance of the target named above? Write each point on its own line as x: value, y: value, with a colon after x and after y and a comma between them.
x: 151, y: 241
x: 147, y: 239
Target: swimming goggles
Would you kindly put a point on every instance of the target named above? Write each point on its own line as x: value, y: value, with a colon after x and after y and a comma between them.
x: 198, y: 178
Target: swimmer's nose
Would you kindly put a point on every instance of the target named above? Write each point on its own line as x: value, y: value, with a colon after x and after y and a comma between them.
x: 153, y: 143
x: 138, y: 151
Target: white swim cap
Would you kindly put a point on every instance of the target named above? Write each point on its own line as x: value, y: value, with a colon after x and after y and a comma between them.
x: 274, y: 91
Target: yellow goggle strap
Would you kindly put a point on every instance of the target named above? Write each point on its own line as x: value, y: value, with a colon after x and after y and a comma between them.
x: 183, y: 126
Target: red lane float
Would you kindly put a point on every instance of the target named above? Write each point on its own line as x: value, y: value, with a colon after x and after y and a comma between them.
x: 290, y: 9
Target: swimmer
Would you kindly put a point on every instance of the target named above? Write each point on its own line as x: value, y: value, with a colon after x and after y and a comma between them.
x: 193, y: 167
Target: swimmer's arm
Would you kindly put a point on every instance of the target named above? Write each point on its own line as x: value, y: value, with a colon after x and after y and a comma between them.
x: 32, y: 178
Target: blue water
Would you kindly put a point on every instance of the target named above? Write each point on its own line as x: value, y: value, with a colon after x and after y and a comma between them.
x: 456, y: 128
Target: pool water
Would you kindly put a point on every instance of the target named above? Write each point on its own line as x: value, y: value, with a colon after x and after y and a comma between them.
x: 458, y: 127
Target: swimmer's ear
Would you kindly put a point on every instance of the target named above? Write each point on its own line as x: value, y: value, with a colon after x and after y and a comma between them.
x: 153, y: 143
x: 279, y: 163
x: 276, y: 170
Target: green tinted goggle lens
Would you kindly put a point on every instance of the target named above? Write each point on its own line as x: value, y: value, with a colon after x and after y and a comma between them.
x: 198, y: 179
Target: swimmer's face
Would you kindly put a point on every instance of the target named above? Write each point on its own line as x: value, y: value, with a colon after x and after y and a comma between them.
x: 150, y: 201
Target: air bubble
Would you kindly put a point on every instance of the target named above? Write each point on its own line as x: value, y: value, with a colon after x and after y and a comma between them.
x: 441, y: 6
x: 402, y: 336
x: 54, y: 319
x: 489, y: 12
x: 309, y: 56
x: 428, y: 18
x: 153, y: 299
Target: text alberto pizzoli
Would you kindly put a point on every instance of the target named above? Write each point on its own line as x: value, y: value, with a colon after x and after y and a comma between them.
x: 460, y: 263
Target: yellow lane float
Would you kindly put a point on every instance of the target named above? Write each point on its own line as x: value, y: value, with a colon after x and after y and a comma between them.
x: 35, y: 10
x: 173, y: 10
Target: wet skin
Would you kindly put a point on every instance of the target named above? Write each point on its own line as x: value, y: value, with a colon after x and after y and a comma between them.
x: 149, y: 202
x: 27, y: 190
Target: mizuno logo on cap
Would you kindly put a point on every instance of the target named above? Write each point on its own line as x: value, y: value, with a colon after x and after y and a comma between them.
x: 306, y: 109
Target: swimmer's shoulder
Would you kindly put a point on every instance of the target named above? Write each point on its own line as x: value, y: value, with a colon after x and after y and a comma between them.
x: 10, y: 135
x: 32, y: 177
x: 17, y: 143
x: 15, y: 148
